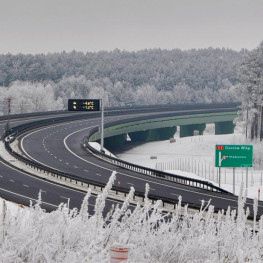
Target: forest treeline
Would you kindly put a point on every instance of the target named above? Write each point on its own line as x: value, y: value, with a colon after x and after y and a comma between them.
x: 164, y: 69
x: 45, y: 82
x: 250, y: 91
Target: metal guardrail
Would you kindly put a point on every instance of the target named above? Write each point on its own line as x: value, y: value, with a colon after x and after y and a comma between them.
x: 87, y: 182
x: 148, y: 171
x: 132, y: 109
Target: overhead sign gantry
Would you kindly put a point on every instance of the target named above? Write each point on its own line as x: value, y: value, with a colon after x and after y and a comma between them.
x: 89, y: 105
x: 83, y: 105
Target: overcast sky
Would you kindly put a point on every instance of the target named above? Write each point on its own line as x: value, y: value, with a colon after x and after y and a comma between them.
x: 42, y: 26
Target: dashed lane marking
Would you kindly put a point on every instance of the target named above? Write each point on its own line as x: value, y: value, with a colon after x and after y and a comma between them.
x: 25, y: 185
x: 27, y: 197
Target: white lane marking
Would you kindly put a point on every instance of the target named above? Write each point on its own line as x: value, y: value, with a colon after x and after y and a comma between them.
x: 144, y: 180
x: 25, y: 185
x: 60, y: 160
x: 45, y: 128
x: 86, y: 171
x: 75, y: 166
x: 130, y: 183
x: 1, y: 175
x: 30, y: 198
x: 174, y: 194
x: 137, y: 178
x: 67, y: 163
x: 64, y: 197
x: 55, y: 157
x: 42, y: 180
x: 98, y: 174
x: 11, y: 180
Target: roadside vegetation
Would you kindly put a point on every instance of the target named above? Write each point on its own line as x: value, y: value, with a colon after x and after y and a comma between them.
x: 31, y: 235
x: 45, y: 82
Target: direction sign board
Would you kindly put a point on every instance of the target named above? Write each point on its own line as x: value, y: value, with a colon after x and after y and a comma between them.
x: 234, y: 155
x: 83, y: 105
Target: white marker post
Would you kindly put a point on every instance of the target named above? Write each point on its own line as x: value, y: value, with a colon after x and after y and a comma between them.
x: 219, y: 179
x: 102, y: 127
x: 234, y: 181
x: 246, y: 177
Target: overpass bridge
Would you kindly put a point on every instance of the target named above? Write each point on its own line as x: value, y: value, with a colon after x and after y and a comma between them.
x: 52, y: 145
x: 156, y: 127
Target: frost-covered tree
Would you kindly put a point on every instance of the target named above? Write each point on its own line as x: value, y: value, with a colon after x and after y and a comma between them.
x: 153, y: 236
x: 31, y: 97
x: 251, y: 91
x: 100, y: 93
x: 182, y: 93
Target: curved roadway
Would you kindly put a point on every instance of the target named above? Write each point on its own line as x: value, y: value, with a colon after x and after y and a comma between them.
x: 19, y: 187
x: 58, y: 146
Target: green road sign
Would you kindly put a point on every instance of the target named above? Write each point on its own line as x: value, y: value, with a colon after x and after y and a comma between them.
x: 234, y: 156
x: 83, y: 105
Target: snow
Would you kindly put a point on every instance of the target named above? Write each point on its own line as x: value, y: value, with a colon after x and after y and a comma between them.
x: 193, y: 157
x: 97, y: 146
x: 31, y: 235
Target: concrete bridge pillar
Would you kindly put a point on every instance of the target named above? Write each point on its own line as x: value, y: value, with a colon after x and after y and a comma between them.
x: 166, y: 133
x: 158, y: 134
x: 114, y: 142
x: 188, y: 130
x: 226, y: 127
x: 139, y: 136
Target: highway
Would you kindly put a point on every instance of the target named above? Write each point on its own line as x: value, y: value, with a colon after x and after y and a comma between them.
x: 58, y: 146
x: 22, y: 188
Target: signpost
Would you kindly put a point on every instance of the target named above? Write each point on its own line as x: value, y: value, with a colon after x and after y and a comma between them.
x: 234, y: 156
x: 89, y: 105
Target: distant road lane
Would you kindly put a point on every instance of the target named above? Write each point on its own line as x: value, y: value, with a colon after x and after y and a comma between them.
x: 59, y: 147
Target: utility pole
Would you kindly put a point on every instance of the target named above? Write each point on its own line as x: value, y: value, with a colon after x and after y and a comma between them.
x: 9, y: 110
x: 102, y: 128
x: 246, y: 122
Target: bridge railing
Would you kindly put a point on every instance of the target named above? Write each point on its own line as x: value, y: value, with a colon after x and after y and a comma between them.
x: 12, y: 133
x: 167, y: 203
x: 148, y: 171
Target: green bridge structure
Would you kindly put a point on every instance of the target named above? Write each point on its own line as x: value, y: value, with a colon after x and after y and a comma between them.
x: 164, y: 126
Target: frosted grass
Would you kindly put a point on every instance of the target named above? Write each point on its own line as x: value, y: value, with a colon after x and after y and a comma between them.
x: 32, y: 235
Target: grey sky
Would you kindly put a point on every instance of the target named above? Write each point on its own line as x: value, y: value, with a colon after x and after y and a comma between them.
x: 41, y: 26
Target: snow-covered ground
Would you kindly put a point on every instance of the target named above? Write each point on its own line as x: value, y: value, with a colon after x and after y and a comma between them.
x: 194, y: 157
x: 31, y: 235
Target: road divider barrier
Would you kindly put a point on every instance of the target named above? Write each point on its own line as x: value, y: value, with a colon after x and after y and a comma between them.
x: 148, y: 171
x: 73, y: 181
